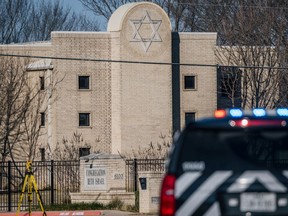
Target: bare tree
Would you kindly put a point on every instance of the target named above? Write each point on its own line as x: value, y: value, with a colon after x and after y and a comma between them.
x: 69, y: 148
x: 40, y: 108
x: 258, y: 37
x: 257, y: 86
x: 15, y: 99
x: 180, y: 12
x: 176, y: 9
x: 13, y: 19
x: 158, y: 150
x: 47, y: 17
x: 21, y: 101
x: 25, y: 20
x: 229, y: 88
x: 104, y: 8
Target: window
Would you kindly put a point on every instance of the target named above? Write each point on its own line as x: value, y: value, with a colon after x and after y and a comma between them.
x: 230, y: 82
x: 230, y: 86
x: 84, y: 152
x: 189, y: 82
x: 83, y: 82
x: 42, y: 154
x: 84, y: 119
x: 266, y: 147
x: 42, y: 115
x: 42, y: 83
x: 189, y: 116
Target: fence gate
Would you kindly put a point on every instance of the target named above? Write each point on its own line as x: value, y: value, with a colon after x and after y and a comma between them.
x: 55, y: 180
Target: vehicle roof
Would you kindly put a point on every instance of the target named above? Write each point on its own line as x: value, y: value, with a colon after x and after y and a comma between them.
x: 266, y: 122
x: 225, y: 123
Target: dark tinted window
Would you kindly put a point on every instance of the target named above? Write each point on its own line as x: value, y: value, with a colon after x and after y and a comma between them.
x: 83, y: 82
x: 42, y: 154
x: 230, y: 82
x: 42, y: 83
x: 84, y: 152
x: 84, y: 119
x: 269, y: 148
x: 220, y: 149
x: 42, y: 114
x: 189, y: 116
x: 189, y: 82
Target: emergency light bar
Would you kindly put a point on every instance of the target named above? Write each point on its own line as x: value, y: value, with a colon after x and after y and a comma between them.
x: 257, y: 112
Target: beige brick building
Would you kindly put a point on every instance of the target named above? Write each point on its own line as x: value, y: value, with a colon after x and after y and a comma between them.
x: 111, y: 97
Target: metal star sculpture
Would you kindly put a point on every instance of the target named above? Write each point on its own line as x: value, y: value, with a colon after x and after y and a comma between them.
x: 154, y: 25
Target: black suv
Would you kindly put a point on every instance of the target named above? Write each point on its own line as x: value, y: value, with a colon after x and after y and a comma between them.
x: 233, y: 164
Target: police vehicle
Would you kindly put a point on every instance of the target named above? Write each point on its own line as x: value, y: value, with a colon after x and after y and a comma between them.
x: 233, y: 164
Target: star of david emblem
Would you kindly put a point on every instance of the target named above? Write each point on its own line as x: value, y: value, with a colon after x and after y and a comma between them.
x: 140, y: 28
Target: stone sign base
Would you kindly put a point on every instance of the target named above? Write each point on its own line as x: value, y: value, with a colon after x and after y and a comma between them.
x: 102, y: 180
x: 128, y: 198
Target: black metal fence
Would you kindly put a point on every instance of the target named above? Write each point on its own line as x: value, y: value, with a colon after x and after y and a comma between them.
x: 133, y: 166
x: 55, y: 180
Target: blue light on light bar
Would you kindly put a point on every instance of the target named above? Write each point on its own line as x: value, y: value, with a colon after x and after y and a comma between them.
x: 259, y: 112
x: 236, y: 112
x: 282, y: 111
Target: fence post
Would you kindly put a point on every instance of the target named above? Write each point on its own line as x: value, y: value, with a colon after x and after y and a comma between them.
x: 9, y: 187
x: 52, y: 182
x: 135, y: 174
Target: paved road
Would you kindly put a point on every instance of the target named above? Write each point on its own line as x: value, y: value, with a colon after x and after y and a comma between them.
x: 76, y: 213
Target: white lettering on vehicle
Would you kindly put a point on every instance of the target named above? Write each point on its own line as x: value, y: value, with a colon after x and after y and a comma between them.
x: 193, y: 166
x: 211, y: 183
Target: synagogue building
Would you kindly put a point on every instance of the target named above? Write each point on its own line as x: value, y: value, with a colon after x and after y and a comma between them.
x: 123, y: 88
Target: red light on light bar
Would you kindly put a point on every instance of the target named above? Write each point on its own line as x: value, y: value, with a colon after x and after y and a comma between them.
x: 249, y: 123
x: 220, y: 114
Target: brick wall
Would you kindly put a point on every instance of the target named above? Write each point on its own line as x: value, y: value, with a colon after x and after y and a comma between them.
x: 198, y: 48
x: 97, y: 100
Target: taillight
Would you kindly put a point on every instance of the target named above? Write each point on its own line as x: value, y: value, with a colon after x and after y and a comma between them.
x: 167, y: 202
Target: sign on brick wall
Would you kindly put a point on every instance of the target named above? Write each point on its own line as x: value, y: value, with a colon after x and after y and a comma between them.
x: 118, y: 176
x: 95, y: 178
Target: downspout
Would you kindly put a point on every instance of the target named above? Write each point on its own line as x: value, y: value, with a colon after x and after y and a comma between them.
x: 49, y: 114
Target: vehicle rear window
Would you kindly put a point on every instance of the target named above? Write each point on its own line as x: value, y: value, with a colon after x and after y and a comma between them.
x: 225, y: 149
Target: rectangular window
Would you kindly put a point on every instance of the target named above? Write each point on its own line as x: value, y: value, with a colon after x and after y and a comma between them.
x: 42, y: 154
x: 83, y: 82
x: 42, y: 83
x: 84, y: 119
x: 84, y: 152
x: 230, y: 82
x: 42, y: 115
x: 189, y: 82
x: 189, y: 117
